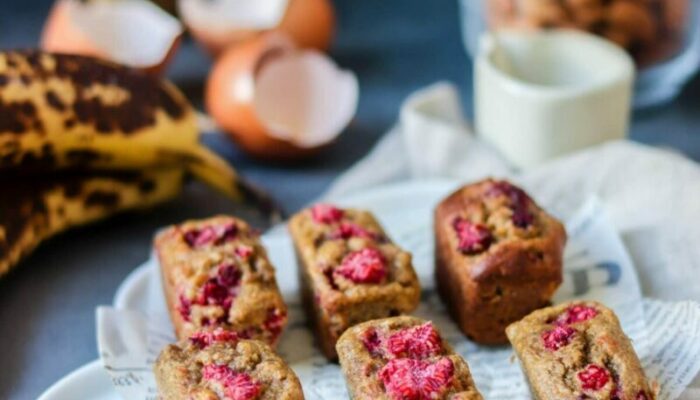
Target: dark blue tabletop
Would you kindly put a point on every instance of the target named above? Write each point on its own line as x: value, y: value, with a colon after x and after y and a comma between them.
x: 47, y: 324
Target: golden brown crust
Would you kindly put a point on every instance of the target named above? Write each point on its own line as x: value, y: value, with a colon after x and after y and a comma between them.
x: 553, y: 364
x: 179, y: 371
x: 228, y: 283
x: 361, y: 367
x: 518, y: 270
x: 334, y: 302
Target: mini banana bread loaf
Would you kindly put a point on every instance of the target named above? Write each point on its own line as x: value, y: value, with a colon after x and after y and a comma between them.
x: 216, y: 274
x: 350, y: 271
x: 578, y: 351
x: 498, y: 257
x: 215, y: 365
x: 402, y: 358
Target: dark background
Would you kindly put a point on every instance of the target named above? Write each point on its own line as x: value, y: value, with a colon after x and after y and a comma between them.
x: 47, y: 324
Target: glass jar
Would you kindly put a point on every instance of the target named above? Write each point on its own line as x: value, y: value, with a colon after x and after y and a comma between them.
x: 663, y: 36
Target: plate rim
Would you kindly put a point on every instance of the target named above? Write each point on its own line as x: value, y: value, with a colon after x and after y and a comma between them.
x: 136, y: 277
x: 86, y: 372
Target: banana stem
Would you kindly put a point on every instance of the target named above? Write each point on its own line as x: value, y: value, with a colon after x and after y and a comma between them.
x: 216, y: 172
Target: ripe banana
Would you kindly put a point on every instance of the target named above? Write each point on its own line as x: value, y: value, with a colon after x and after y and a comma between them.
x: 61, y: 111
x: 31, y: 211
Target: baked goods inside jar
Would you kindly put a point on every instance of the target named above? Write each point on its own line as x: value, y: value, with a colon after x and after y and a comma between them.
x: 650, y: 30
x: 498, y: 256
x: 350, y: 271
x: 216, y: 273
x: 577, y: 350
x: 402, y: 358
x: 216, y: 365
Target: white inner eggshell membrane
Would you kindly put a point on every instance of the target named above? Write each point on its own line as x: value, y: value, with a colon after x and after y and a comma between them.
x: 225, y: 15
x: 304, y: 98
x: 132, y: 32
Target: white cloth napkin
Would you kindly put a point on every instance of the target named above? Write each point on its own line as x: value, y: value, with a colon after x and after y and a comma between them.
x: 652, y: 195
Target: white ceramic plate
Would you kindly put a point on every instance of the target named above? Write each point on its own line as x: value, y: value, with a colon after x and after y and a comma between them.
x: 595, y: 256
x: 140, y: 292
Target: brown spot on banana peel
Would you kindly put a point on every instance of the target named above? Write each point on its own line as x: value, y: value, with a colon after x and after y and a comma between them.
x: 19, y: 116
x: 45, y: 158
x: 26, y: 162
x: 102, y: 198
x: 21, y: 209
x: 146, y: 186
x: 146, y: 95
x: 84, y: 157
x: 54, y: 101
x: 72, y: 189
x: 105, y: 99
x: 27, y: 216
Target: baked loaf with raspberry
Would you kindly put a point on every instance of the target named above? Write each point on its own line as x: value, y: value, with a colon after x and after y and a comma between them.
x: 216, y: 274
x: 578, y: 351
x: 498, y: 257
x: 350, y: 271
x: 215, y: 365
x: 402, y: 358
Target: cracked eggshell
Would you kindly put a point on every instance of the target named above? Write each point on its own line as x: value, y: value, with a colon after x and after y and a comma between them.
x: 279, y: 102
x: 310, y: 23
x: 217, y: 24
x: 135, y: 33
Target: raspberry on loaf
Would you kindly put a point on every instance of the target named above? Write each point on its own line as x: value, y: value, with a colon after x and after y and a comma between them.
x: 350, y: 271
x: 402, y: 358
x: 498, y: 256
x: 216, y: 274
x: 578, y: 351
x: 216, y: 365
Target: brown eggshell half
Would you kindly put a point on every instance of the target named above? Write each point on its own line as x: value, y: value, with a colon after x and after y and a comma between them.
x: 215, y: 42
x: 117, y: 31
x: 60, y: 35
x: 218, y: 24
x: 232, y: 101
x: 310, y: 23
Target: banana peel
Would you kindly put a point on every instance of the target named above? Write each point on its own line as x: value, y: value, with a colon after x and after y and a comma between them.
x: 31, y: 211
x: 67, y: 112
